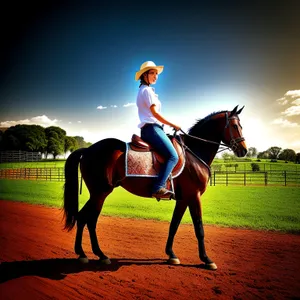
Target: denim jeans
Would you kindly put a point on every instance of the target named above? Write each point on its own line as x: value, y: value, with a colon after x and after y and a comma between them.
x: 155, y: 135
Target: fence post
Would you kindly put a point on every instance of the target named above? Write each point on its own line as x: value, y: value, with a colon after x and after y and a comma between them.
x: 266, y: 178
x: 284, y: 178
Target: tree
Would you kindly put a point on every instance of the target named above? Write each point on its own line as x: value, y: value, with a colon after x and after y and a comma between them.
x: 56, y: 141
x: 1, y: 138
x: 255, y: 167
x: 298, y: 158
x: 252, y: 152
x: 287, y: 155
x: 274, y: 152
x: 36, y: 141
x: 263, y: 154
x: 25, y: 137
x: 81, y: 143
x: 70, y: 144
x: 227, y: 156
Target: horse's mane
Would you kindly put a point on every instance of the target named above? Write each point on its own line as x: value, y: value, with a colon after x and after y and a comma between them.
x: 196, y: 128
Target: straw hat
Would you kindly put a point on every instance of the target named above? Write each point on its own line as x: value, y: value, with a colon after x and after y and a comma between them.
x: 148, y: 65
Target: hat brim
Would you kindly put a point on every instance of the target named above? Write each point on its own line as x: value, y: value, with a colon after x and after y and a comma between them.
x: 138, y: 74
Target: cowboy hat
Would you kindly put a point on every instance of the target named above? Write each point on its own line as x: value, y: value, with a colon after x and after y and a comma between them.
x: 148, y: 65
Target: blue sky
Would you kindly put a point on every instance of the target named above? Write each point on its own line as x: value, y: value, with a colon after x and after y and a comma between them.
x: 72, y: 65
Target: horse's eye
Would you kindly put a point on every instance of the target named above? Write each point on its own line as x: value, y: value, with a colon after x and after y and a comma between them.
x: 235, y: 127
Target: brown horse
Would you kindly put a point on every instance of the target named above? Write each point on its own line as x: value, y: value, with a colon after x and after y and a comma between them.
x: 102, y: 167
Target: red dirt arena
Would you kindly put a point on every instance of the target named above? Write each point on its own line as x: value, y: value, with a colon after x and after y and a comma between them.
x: 38, y: 262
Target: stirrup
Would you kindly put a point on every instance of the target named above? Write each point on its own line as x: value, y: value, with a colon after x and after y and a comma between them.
x: 163, y: 193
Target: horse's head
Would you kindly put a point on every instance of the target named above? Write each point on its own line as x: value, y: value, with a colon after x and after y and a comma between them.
x: 232, y: 135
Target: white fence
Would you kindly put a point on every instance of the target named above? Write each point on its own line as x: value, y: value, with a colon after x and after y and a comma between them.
x: 14, y: 156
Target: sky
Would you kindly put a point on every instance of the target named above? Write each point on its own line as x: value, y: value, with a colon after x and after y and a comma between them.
x: 72, y: 64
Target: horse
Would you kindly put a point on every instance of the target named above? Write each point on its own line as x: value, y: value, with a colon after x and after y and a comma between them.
x: 102, y: 169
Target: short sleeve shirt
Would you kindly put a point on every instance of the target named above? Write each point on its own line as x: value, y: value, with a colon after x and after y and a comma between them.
x: 145, y: 99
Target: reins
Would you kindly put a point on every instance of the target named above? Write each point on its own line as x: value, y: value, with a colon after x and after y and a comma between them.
x: 233, y: 142
x: 185, y: 147
x: 232, y: 146
x: 207, y: 141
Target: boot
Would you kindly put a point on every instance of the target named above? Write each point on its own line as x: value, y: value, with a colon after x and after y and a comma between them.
x: 163, y: 193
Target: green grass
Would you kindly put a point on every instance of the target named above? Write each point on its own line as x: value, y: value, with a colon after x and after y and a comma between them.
x: 36, y: 164
x: 267, y: 208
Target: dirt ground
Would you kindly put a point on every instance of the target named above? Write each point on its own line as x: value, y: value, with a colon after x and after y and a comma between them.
x: 38, y: 262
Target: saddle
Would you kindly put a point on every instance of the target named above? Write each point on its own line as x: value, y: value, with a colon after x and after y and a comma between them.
x: 143, y: 160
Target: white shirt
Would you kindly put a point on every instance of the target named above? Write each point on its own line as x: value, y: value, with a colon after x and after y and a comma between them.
x: 145, y: 99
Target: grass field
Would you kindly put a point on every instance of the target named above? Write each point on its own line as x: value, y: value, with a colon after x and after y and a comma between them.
x: 267, y: 208
x: 38, y: 164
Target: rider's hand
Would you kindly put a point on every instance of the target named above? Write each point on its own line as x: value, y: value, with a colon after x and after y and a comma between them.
x: 176, y: 127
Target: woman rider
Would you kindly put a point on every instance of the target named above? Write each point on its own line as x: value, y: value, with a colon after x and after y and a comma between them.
x: 151, y: 121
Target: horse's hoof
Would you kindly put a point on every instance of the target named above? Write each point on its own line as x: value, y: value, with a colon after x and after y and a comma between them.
x: 211, y: 266
x: 105, y: 261
x: 173, y: 261
x: 83, y: 260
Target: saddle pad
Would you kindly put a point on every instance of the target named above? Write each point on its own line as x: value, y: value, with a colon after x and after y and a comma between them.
x: 140, y: 164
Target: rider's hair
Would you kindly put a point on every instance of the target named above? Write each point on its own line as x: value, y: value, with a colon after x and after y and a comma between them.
x: 142, y: 80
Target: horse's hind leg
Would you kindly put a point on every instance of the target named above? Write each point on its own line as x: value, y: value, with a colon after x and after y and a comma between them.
x: 88, y: 215
x: 95, y: 210
x: 81, y: 222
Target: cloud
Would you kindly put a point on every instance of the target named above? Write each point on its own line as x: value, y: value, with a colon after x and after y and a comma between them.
x: 128, y: 104
x: 38, y: 120
x: 79, y: 122
x: 282, y: 101
x: 101, y: 107
x: 292, y: 111
x: 293, y: 94
x: 296, y: 102
x: 292, y: 105
x: 114, y: 106
x: 285, y: 123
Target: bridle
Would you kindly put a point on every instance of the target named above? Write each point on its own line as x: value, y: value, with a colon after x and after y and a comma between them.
x: 233, y: 143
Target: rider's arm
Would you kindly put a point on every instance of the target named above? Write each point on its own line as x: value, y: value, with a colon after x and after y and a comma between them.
x: 161, y: 119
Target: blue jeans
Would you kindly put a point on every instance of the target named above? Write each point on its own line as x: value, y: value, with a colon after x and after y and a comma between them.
x: 155, y: 135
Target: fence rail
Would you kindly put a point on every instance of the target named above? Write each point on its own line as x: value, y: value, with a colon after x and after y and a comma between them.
x: 51, y: 174
x: 283, y: 178
x: 16, y: 156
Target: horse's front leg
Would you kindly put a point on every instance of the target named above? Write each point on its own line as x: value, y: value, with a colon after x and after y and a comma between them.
x: 179, y: 210
x: 196, y: 214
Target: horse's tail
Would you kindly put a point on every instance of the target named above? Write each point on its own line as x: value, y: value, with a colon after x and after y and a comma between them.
x: 71, y: 189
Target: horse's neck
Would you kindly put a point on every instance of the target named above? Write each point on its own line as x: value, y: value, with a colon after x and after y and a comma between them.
x: 205, y: 150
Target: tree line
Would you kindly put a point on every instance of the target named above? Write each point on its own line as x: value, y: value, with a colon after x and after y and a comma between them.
x: 35, y: 138
x: 53, y: 140
x: 272, y: 153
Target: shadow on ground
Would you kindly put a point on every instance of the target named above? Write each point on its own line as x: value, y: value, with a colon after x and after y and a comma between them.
x: 59, y: 268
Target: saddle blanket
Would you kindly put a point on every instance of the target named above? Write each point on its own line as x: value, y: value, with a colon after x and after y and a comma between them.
x: 139, y: 164
x: 145, y: 164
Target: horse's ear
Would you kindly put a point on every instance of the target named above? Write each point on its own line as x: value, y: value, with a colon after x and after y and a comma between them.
x: 239, y: 111
x: 234, y: 111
